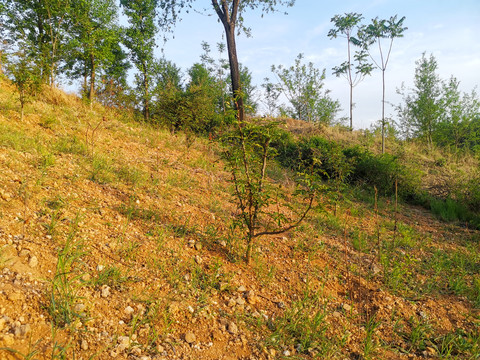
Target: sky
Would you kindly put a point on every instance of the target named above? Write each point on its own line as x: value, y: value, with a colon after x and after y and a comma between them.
x: 448, y: 29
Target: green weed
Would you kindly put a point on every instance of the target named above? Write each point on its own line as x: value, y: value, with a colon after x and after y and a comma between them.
x: 65, y: 284
x: 303, y: 326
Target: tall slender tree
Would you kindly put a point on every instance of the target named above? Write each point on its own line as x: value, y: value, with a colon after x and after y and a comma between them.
x: 38, y: 24
x: 231, y: 15
x: 140, y: 40
x: 93, y: 33
x: 345, y: 26
x: 374, y: 33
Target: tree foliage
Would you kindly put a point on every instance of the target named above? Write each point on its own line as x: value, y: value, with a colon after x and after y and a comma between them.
x: 93, y: 33
x: 356, y: 70
x: 373, y: 34
x: 231, y: 14
x: 248, y: 152
x: 140, y: 40
x: 436, y: 111
x: 302, y: 84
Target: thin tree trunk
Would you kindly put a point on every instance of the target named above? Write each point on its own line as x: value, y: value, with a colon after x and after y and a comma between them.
x: 91, y: 95
x: 228, y: 19
x: 234, y: 71
x: 383, y: 111
x: 350, y: 81
x: 146, y: 103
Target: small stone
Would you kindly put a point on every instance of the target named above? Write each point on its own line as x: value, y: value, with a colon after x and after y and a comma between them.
x: 100, y: 268
x: 286, y: 353
x: 346, y: 307
x: 232, y: 328
x: 105, y: 291
x: 129, y: 310
x: 84, y: 345
x: 281, y: 305
x: 251, y: 298
x: 198, y: 246
x: 232, y: 302
x: 86, y: 277
x: 22, y: 330
x: 136, y: 351
x: 14, y: 296
x: 190, y: 309
x: 123, y: 340
x: 223, y: 243
x: 240, y: 300
x: 198, y: 259
x: 375, y: 269
x: 79, y: 308
x: 33, y: 262
x: 190, y: 337
x: 241, y: 288
x: 160, y: 348
x: 336, y: 314
x: 174, y: 307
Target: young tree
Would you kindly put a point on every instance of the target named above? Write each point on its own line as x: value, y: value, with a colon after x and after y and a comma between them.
x: 303, y: 87
x: 421, y: 109
x: 231, y: 15
x: 140, y: 40
x: 458, y: 113
x: 93, y: 34
x: 374, y: 33
x: 39, y: 24
x: 23, y: 72
x: 344, y: 27
x: 248, y: 152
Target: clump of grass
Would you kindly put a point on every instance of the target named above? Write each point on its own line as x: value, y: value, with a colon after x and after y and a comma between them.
x: 71, y: 145
x: 111, y: 276
x: 65, y: 284
x: 449, y: 210
x: 102, y: 169
x: 303, y: 326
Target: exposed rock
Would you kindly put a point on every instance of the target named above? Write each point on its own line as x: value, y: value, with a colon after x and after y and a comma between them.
x: 190, y: 337
x: 232, y: 328
x: 240, y: 300
x: 15, y: 296
x: 105, y: 291
x: 346, y: 307
x: 33, y: 262
x: 79, y: 308
x: 129, y: 310
x: 241, y: 288
x: 84, y: 345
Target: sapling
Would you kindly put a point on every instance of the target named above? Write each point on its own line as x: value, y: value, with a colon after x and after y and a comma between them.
x: 248, y: 151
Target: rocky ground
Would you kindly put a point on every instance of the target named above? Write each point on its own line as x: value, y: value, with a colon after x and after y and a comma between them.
x: 121, y: 246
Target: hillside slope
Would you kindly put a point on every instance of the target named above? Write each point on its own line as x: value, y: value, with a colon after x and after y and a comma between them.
x: 117, y: 241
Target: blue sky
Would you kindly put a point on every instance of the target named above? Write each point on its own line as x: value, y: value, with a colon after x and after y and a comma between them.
x: 446, y: 28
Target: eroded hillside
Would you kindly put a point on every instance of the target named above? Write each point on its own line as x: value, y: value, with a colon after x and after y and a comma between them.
x: 117, y: 241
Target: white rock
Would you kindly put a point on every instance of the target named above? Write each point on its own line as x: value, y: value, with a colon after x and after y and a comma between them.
x: 33, y: 262
x: 79, y: 308
x: 84, y: 345
x: 105, y: 291
x: 232, y: 328
x: 129, y: 310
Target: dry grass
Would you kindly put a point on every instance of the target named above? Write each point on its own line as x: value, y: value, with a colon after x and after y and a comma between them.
x: 132, y: 208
